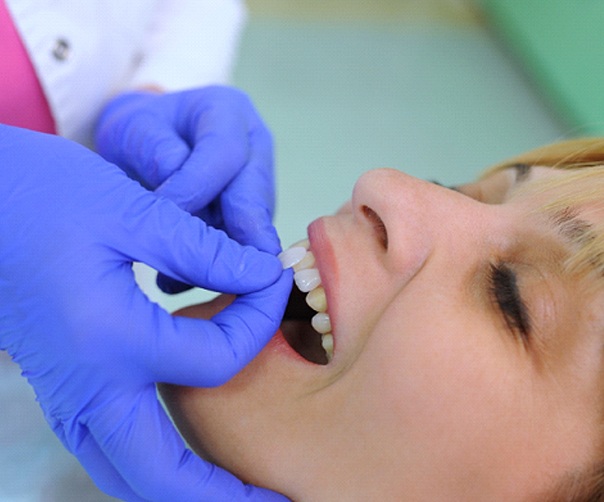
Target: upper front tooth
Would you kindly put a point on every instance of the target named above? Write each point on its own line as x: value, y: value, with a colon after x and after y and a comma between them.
x: 304, y: 243
x: 307, y: 261
x: 292, y: 256
x: 317, y: 300
x: 307, y: 279
x: 321, y: 323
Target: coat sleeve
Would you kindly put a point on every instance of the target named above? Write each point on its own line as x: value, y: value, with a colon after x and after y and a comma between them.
x: 84, y: 53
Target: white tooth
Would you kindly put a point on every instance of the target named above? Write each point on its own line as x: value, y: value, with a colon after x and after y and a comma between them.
x: 327, y: 344
x: 304, y: 243
x: 317, y: 300
x: 307, y: 261
x: 307, y: 280
x: 321, y: 322
x: 292, y: 256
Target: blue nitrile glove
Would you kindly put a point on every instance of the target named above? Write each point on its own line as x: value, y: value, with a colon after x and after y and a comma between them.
x: 90, y: 342
x: 205, y: 149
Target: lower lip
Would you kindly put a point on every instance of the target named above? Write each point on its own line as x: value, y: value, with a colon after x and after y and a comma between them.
x: 278, y: 345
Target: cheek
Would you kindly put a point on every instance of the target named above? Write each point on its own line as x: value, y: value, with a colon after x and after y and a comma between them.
x: 441, y: 394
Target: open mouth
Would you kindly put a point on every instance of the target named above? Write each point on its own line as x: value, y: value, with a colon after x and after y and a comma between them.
x: 306, y: 324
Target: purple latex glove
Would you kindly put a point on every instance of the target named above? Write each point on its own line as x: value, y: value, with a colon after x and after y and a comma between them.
x: 90, y: 342
x: 205, y: 149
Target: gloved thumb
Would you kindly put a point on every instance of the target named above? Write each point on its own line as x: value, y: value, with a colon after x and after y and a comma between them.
x: 155, y: 231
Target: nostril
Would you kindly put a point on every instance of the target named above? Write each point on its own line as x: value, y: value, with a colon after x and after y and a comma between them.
x: 377, y: 224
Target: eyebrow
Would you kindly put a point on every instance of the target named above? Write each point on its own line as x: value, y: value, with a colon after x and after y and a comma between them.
x: 566, y: 221
x: 576, y: 231
x: 580, y: 233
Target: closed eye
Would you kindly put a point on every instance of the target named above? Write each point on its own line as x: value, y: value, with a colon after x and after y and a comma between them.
x: 450, y: 187
x: 504, y: 290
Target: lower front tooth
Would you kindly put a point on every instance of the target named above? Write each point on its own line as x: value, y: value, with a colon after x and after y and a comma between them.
x: 321, y: 322
x: 307, y: 279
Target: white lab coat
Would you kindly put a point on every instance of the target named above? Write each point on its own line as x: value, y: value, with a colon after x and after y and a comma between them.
x: 85, y: 51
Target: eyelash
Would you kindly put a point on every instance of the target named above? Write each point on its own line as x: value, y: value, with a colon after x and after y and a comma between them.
x: 503, y: 286
x: 450, y: 187
x: 504, y: 291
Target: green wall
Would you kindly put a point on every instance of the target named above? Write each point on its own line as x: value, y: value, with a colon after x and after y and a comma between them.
x: 560, y: 44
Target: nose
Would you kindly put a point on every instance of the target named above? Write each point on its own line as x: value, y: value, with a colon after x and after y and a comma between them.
x: 410, y: 218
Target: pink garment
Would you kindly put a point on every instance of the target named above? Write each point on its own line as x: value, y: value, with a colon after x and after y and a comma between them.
x: 22, y: 100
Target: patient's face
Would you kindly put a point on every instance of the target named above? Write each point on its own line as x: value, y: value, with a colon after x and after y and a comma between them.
x: 465, y: 363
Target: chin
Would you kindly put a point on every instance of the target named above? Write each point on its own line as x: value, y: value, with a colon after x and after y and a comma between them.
x: 224, y: 425
x: 253, y: 425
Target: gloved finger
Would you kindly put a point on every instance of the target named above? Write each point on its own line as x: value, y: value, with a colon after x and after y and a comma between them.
x: 248, y: 202
x: 202, y: 353
x: 220, y: 151
x: 212, y: 216
x: 101, y: 470
x: 168, y: 239
x: 145, y: 448
x: 161, y: 152
x: 154, y: 150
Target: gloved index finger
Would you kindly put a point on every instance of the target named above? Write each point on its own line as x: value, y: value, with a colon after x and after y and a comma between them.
x: 220, y: 149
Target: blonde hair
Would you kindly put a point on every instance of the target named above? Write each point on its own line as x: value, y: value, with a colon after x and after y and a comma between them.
x: 579, y: 190
x: 581, y: 187
x: 569, y: 154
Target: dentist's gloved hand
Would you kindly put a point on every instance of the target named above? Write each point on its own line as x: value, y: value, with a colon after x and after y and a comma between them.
x: 205, y: 149
x: 89, y: 341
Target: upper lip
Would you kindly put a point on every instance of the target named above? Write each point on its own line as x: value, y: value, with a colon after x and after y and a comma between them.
x: 325, y: 262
